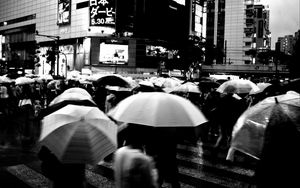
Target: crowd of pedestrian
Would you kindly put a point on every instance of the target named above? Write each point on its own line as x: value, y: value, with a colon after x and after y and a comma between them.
x: 137, y: 163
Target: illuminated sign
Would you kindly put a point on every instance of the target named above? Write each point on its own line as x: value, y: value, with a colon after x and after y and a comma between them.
x: 113, y: 54
x: 155, y: 50
x: 160, y: 51
x: 102, y: 13
x: 64, y: 12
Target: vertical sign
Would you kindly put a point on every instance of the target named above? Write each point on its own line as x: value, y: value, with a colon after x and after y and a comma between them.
x: 64, y: 12
x: 0, y: 47
x: 102, y: 13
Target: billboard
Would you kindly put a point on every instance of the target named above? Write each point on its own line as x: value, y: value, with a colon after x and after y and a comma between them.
x: 102, y: 13
x: 113, y: 54
x: 64, y: 12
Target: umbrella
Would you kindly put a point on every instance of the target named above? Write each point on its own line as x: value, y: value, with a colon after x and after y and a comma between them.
x: 79, y: 134
x: 240, y: 86
x: 293, y: 85
x: 5, y: 79
x: 249, y: 131
x: 262, y: 86
x: 113, y: 80
x: 46, y: 77
x: 166, y: 82
x: 75, y: 93
x: 158, y: 109
x: 23, y: 80
x: 144, y: 88
x: 207, y: 84
x: 187, y: 87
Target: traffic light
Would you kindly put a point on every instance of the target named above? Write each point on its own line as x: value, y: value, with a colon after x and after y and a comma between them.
x: 51, y: 55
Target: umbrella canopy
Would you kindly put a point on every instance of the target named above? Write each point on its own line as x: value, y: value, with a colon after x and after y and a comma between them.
x: 188, y: 87
x: 113, y: 80
x: 239, y: 86
x: 5, y: 79
x: 23, y: 80
x: 262, y: 86
x: 158, y: 109
x: 249, y: 132
x: 208, y: 84
x: 169, y: 83
x: 79, y: 134
x: 46, y: 77
x: 293, y: 85
x: 75, y: 93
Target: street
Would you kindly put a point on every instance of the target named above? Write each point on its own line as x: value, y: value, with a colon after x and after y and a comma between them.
x: 20, y: 168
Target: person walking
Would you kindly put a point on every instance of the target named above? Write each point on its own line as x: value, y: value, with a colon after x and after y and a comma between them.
x: 228, y: 110
x: 163, y: 149
x: 62, y: 175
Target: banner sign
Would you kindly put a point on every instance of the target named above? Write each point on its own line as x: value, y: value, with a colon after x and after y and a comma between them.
x: 64, y: 12
x: 102, y: 13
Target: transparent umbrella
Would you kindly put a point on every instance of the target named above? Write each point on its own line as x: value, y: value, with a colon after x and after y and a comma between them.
x: 276, y: 113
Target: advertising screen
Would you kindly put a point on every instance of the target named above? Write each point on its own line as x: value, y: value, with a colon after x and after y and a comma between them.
x: 113, y: 54
x: 102, y: 13
x: 64, y: 12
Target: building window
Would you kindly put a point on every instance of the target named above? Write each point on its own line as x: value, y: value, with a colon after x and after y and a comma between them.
x: 247, y: 62
x: 247, y: 44
x: 82, y: 5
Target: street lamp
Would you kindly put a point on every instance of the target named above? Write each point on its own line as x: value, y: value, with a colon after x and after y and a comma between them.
x: 56, y: 39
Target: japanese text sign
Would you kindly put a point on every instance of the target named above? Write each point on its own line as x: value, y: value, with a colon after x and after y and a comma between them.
x: 102, y: 13
x: 64, y: 12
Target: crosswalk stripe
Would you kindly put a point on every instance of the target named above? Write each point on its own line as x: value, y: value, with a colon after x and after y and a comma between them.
x: 29, y: 176
x: 202, y: 162
x: 193, y: 168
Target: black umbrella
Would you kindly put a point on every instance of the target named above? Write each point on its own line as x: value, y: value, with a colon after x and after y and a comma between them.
x: 144, y: 88
x: 207, y: 84
x: 293, y: 85
x: 113, y: 80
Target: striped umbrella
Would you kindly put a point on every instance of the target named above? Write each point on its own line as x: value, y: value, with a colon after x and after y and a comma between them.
x: 79, y: 134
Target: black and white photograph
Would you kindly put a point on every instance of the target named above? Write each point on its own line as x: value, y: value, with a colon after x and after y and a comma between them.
x: 149, y: 93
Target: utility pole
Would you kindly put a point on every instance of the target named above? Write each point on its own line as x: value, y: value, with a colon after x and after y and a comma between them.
x: 225, y: 51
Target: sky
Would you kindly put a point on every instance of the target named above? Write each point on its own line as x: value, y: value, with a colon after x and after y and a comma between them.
x: 284, y: 18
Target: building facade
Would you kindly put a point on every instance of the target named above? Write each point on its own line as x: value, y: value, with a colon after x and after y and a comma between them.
x: 286, y: 44
x: 235, y: 27
x: 131, y: 36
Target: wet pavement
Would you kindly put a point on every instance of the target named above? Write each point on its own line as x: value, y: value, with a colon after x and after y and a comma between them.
x: 20, y: 167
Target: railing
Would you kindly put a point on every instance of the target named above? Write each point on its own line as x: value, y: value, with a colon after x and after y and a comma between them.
x: 259, y: 68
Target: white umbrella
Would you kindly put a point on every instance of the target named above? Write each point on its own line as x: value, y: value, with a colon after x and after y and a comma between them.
x: 158, y: 109
x: 262, y: 86
x: 45, y: 77
x: 79, y: 134
x: 24, y: 80
x: 188, y: 87
x: 75, y: 93
x: 5, y: 79
x: 239, y: 86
